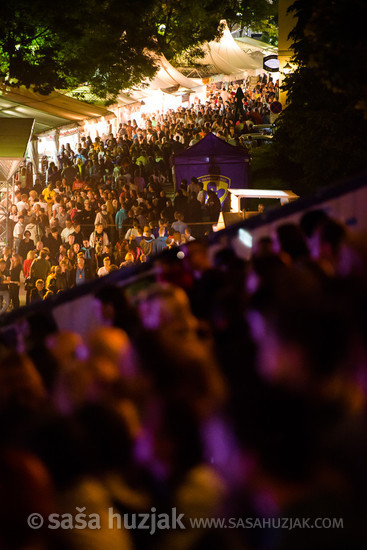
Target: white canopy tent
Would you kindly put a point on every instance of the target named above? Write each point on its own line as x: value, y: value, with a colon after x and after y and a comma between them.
x: 255, y: 48
x: 227, y: 57
x: 163, y: 91
x: 168, y: 77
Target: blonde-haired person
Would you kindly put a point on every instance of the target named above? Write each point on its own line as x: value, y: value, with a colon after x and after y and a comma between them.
x: 50, y: 278
x: 28, y: 262
x: 129, y: 260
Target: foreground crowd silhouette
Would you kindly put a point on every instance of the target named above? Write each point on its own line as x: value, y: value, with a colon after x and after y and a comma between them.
x: 223, y: 389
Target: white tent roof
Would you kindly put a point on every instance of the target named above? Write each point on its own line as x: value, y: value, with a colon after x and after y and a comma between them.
x: 255, y: 48
x: 226, y: 56
x: 167, y: 79
x: 136, y: 95
x: 14, y: 138
x: 250, y: 45
x: 126, y: 99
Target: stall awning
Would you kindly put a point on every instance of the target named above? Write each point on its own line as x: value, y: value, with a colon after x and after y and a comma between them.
x: 49, y: 111
x: 14, y: 138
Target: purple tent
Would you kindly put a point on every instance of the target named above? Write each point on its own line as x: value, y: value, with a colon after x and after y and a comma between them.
x: 216, y: 163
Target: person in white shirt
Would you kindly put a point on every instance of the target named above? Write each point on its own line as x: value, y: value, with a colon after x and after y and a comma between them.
x: 68, y: 230
x: 98, y: 237
x: 224, y: 95
x: 198, y: 106
x: 23, y: 203
x: 105, y: 269
x: 202, y: 195
x: 18, y: 232
x: 16, y: 197
x: 133, y: 231
x: 62, y: 216
x: 56, y: 206
x: 35, y: 230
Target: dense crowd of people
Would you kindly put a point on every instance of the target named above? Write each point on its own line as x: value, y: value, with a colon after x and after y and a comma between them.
x: 109, y: 203
x: 224, y: 388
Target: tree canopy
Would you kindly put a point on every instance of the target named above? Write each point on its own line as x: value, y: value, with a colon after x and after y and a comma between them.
x: 81, y: 41
x: 260, y: 15
x: 108, y: 44
x: 322, y: 133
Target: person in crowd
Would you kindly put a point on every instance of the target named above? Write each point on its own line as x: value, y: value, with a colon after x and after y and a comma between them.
x: 134, y: 249
x: 18, y: 232
x: 213, y: 205
x: 38, y: 293
x: 103, y: 218
x: 81, y: 273
x: 69, y: 228
x: 194, y: 186
x: 98, y: 236
x: 71, y: 256
x: 179, y: 225
x: 169, y: 211
x: 180, y: 200
x: 40, y: 267
x: 132, y: 231
x: 56, y: 280
x: 70, y: 242
x: 194, y: 209
x: 188, y: 236
x: 128, y: 260
x: 104, y: 270
x: 146, y: 243
x: 90, y: 257
x: 160, y: 243
x: 4, y: 286
x: 120, y: 218
x: 6, y: 255
x: 53, y: 243
x: 14, y: 276
x: 87, y: 218
x: 28, y: 262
